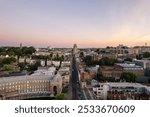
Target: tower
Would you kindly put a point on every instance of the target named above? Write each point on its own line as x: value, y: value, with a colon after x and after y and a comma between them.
x: 20, y: 45
x: 75, y: 50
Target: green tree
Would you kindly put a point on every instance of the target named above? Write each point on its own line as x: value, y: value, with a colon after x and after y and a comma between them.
x: 8, y: 60
x: 51, y: 55
x: 1, y: 64
x: 61, y: 97
x: 27, y: 52
x: 62, y: 57
x: 35, y: 66
x: 107, y: 61
x: 22, y: 66
x: 18, y: 53
x: 146, y: 54
x: 128, y: 59
x: 81, y: 54
x: 128, y: 76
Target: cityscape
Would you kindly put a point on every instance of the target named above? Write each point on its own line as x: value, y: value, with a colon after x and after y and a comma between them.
x: 111, y: 73
x: 75, y: 50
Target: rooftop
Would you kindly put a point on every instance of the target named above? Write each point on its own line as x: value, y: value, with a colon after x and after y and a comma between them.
x: 64, y: 69
x: 128, y: 65
x: 24, y: 78
x: 123, y: 84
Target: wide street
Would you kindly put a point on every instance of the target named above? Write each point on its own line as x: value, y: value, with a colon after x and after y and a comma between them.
x: 75, y: 80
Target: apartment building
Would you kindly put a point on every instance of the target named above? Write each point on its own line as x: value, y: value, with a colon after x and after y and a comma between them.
x: 121, y: 90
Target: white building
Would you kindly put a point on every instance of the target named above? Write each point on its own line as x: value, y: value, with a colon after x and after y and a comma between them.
x: 101, y: 90
x: 143, y: 63
x: 43, y: 83
x: 129, y: 66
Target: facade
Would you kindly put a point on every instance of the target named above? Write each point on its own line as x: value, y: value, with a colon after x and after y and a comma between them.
x: 75, y: 50
x: 84, y: 75
x: 130, y: 67
x: 116, y: 70
x: 39, y: 84
x: 65, y: 73
x: 83, y: 84
x: 121, y: 90
x: 144, y: 63
x: 92, y: 71
x: 141, y: 49
x: 65, y: 63
x: 110, y: 71
x: 120, y: 50
x: 95, y: 57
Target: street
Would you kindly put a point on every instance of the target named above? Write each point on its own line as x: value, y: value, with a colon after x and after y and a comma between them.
x: 75, y: 80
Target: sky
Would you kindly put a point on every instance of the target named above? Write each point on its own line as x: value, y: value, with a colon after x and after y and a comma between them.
x: 61, y: 23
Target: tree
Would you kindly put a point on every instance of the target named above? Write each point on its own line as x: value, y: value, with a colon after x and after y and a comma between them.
x: 62, y: 57
x: 1, y: 64
x: 128, y: 76
x: 35, y: 66
x: 18, y: 53
x: 89, y: 62
x: 51, y: 55
x: 8, y: 60
x: 128, y: 59
x: 146, y: 54
x: 107, y: 61
x: 22, y: 66
x: 81, y: 54
x: 27, y: 52
x: 61, y: 97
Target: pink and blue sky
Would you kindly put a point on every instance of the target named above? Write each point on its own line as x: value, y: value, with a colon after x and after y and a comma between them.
x: 61, y: 23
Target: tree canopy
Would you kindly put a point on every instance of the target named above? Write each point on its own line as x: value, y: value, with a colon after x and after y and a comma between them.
x: 128, y: 77
x: 146, y: 54
x: 103, y: 61
x: 17, y: 51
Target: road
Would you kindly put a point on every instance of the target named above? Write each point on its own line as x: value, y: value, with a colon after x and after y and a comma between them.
x: 75, y: 80
x: 88, y: 94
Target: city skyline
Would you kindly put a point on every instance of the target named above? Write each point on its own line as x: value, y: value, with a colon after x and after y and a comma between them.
x: 87, y: 23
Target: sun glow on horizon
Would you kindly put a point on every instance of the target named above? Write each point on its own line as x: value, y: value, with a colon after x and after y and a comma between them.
x: 87, y: 23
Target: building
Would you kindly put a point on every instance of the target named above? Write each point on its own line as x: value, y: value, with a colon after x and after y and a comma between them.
x: 39, y: 84
x: 121, y: 91
x: 92, y: 71
x: 65, y: 64
x: 120, y: 50
x: 65, y: 73
x: 95, y: 56
x: 83, y: 84
x: 130, y: 67
x: 143, y: 63
x: 110, y: 71
x: 75, y: 50
x: 85, y: 75
x: 141, y: 49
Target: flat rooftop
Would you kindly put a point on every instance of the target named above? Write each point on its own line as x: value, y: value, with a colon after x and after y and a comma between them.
x: 126, y: 65
x: 24, y: 78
